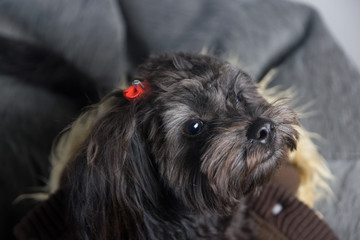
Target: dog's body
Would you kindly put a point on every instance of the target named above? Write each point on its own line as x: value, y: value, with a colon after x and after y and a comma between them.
x: 178, y: 161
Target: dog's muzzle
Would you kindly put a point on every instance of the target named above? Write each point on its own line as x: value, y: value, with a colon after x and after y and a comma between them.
x: 262, y: 131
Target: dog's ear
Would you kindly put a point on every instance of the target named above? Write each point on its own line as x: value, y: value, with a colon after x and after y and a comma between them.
x: 111, y: 175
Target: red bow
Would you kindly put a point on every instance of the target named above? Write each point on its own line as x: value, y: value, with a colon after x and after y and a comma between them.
x: 136, y: 91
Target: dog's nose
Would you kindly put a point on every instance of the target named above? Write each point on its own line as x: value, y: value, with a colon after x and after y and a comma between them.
x: 261, y: 130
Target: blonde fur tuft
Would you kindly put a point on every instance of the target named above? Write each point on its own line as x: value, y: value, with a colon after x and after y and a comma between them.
x: 71, y: 140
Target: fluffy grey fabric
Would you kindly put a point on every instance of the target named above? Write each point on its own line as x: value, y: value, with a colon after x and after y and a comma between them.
x: 342, y: 211
x: 30, y: 118
x: 106, y: 39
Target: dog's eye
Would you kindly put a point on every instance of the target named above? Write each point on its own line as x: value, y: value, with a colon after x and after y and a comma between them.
x: 194, y: 127
x: 239, y: 98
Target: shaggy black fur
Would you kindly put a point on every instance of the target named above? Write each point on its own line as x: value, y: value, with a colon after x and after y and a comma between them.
x: 178, y: 163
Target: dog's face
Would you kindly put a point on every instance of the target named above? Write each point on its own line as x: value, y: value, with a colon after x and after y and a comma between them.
x: 212, y: 135
x: 200, y: 139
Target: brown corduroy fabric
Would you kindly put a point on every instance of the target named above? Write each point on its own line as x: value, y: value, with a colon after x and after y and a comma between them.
x: 291, y: 217
x: 294, y: 221
x: 47, y: 221
x: 266, y: 231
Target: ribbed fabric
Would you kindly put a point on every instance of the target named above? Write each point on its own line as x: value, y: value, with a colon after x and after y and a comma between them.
x: 265, y: 230
x: 46, y: 221
x: 276, y: 206
x: 293, y: 220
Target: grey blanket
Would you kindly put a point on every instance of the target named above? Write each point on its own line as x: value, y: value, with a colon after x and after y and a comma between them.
x: 106, y: 39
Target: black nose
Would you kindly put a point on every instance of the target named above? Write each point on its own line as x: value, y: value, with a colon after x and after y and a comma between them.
x: 261, y: 130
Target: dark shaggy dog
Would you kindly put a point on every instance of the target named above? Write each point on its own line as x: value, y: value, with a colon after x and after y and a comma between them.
x: 177, y: 161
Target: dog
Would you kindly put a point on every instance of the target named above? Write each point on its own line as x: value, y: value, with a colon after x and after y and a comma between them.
x: 175, y: 155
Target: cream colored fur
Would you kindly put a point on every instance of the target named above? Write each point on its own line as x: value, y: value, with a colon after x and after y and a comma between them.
x: 71, y: 141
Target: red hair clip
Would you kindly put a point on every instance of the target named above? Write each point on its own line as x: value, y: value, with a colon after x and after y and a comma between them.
x: 136, y: 91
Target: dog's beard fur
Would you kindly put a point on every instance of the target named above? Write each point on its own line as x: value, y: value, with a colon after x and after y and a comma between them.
x: 141, y: 174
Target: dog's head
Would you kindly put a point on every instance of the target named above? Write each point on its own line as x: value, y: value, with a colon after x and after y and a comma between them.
x: 200, y: 135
